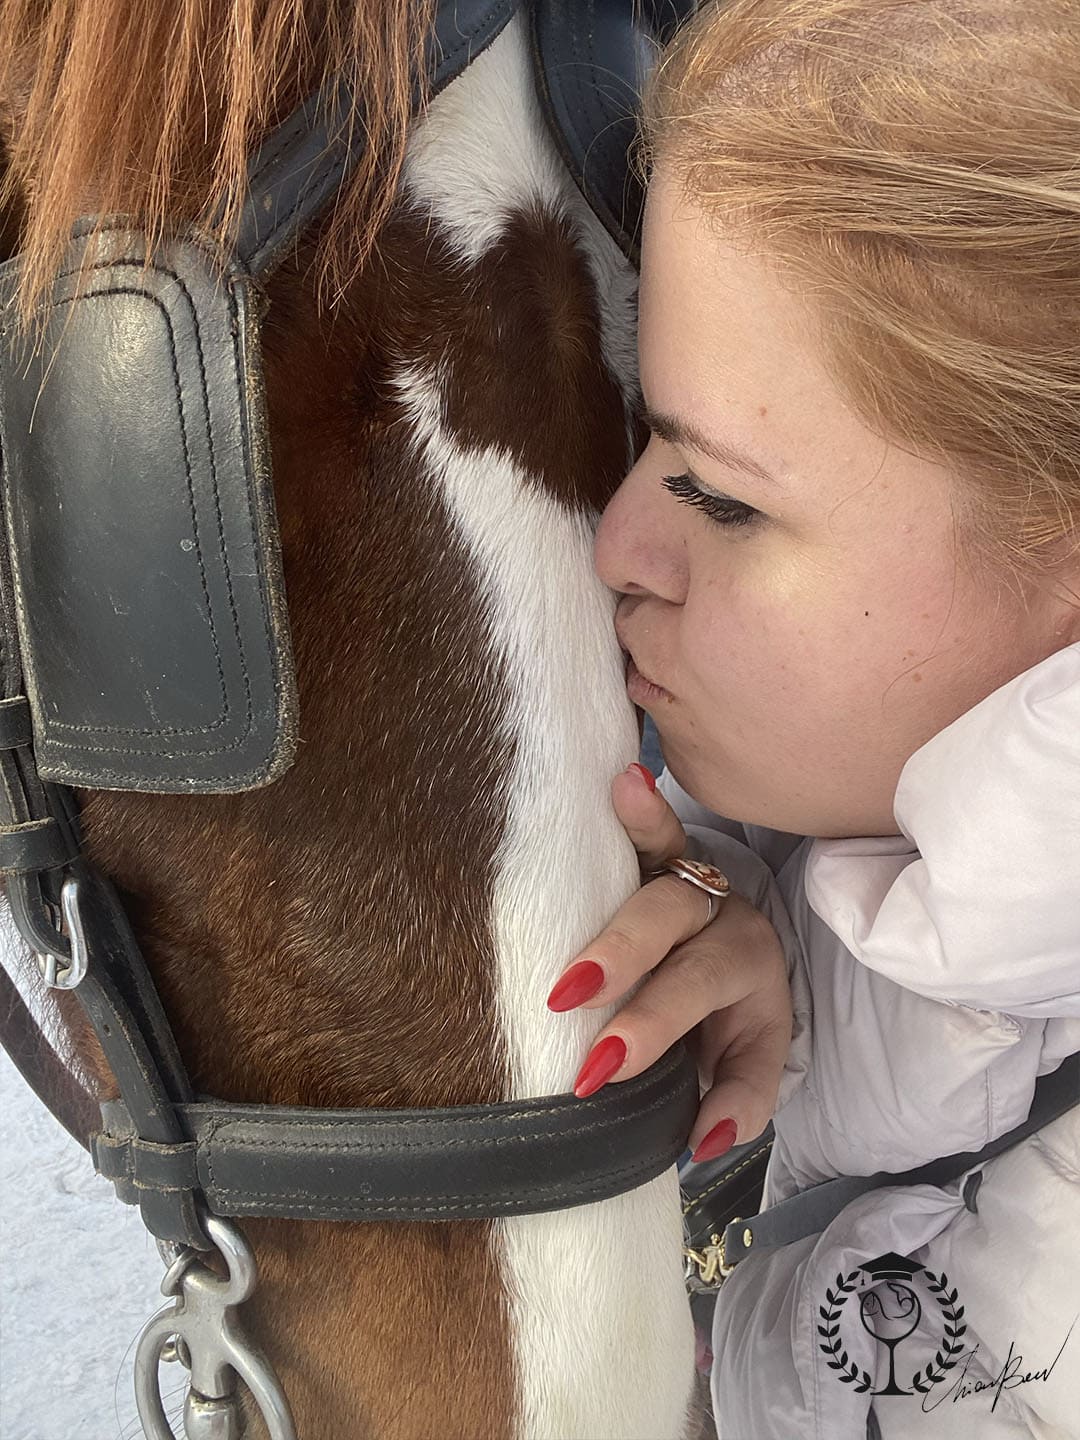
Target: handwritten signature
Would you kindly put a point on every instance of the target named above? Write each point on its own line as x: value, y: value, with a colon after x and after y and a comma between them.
x: 1008, y: 1378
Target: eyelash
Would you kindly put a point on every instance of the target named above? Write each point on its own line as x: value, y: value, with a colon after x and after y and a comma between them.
x: 723, y: 510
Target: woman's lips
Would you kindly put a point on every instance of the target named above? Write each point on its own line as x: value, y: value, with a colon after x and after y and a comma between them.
x: 640, y: 689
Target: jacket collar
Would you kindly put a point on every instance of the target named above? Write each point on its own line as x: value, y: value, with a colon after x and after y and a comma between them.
x: 977, y: 901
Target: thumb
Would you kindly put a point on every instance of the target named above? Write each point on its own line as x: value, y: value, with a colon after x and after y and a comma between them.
x: 742, y: 1098
x: 656, y: 831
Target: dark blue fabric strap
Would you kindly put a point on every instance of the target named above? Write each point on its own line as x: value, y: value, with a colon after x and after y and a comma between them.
x: 811, y: 1211
x: 301, y: 165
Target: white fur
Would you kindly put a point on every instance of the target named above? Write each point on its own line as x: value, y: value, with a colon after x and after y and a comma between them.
x: 603, y: 1331
x: 483, y: 153
x: 602, y: 1328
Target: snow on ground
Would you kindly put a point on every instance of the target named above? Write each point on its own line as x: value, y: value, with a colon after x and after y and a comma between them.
x: 79, y: 1277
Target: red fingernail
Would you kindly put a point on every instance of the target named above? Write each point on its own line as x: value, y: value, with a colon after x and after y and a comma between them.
x: 719, y: 1140
x: 580, y: 983
x: 600, y: 1064
x: 645, y: 773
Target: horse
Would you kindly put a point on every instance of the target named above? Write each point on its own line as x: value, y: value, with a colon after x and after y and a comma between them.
x: 380, y: 926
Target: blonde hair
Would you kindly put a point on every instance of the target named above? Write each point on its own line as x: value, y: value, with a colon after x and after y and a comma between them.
x: 915, y: 165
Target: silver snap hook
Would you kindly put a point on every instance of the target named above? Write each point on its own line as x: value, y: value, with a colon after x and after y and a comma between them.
x: 203, y: 1333
x: 60, y: 970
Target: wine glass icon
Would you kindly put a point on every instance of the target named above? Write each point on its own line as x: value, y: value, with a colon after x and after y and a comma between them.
x: 890, y: 1314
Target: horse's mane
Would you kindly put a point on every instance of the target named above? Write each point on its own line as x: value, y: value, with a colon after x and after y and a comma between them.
x: 152, y: 108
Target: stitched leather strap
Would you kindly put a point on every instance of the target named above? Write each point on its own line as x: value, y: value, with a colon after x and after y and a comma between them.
x: 518, y: 1157
x: 714, y: 1191
x: 146, y: 578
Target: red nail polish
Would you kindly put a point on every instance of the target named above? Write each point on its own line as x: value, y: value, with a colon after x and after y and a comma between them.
x: 578, y: 984
x: 717, y: 1142
x: 600, y: 1065
x: 646, y: 774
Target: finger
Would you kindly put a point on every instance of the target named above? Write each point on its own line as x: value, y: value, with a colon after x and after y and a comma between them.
x: 656, y: 831
x: 698, y: 977
x: 746, y: 1083
x: 694, y: 979
x: 705, y: 974
x: 655, y: 920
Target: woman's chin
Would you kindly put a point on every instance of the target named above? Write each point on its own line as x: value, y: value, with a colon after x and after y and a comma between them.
x: 703, y: 782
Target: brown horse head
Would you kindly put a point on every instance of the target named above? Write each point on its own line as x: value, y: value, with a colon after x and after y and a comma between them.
x: 381, y: 926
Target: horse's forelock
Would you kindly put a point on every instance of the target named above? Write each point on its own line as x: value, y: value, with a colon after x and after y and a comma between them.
x: 162, y: 104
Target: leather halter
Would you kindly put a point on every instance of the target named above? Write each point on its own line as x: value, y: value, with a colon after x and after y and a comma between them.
x: 590, y: 64
x: 105, y: 684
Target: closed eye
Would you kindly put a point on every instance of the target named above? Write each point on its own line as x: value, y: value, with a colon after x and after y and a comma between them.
x: 721, y: 508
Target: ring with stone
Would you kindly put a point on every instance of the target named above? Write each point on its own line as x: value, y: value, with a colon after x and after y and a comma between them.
x: 706, y: 877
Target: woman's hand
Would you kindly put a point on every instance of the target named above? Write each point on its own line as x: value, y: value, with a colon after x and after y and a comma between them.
x: 726, y: 982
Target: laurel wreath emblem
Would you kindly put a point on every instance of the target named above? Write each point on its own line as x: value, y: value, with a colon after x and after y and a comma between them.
x: 951, y: 1346
x: 830, y: 1313
x: 852, y: 1374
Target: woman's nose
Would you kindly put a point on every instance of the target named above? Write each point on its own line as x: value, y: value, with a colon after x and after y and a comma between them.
x: 637, y: 549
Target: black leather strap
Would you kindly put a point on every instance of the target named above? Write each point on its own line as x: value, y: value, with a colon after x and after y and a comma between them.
x: 591, y: 60
x: 303, y: 163
x: 15, y: 723
x: 122, y: 1003
x: 163, y: 1148
x: 715, y: 1191
x: 146, y: 579
x: 32, y: 845
x: 30, y: 1052
x: 457, y: 1163
x: 39, y: 824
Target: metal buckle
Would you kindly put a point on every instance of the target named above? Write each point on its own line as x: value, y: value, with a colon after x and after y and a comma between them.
x: 203, y: 1333
x: 711, y: 1263
x: 63, y: 969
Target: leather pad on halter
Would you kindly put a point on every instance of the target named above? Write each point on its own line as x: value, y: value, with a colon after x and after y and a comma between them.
x: 146, y: 570
x: 591, y: 58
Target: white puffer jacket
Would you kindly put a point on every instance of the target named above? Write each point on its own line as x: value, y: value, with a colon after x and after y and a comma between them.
x: 935, y: 976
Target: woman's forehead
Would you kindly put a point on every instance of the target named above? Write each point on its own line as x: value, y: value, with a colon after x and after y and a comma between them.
x: 725, y: 349
x: 733, y: 355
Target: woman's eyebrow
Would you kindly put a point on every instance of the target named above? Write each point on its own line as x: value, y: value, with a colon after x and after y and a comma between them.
x: 677, y: 431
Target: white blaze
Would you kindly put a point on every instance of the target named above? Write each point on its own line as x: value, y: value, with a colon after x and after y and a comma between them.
x: 603, y: 1332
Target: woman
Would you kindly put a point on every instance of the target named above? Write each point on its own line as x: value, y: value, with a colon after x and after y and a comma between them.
x: 849, y: 572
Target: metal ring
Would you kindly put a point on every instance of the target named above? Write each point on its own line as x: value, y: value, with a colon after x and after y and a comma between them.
x: 60, y: 971
x: 696, y: 872
x: 705, y: 877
